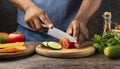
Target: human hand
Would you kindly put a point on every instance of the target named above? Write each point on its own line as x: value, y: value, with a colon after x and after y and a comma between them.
x: 35, y: 17
x: 83, y: 31
x: 73, y: 29
x: 79, y: 31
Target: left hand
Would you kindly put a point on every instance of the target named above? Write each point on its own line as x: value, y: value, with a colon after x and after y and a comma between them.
x: 79, y: 31
x: 74, y: 29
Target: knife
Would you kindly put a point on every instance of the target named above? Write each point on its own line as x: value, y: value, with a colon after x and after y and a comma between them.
x: 57, y: 33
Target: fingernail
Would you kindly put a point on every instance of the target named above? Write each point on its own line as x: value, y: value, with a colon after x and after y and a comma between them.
x: 50, y: 26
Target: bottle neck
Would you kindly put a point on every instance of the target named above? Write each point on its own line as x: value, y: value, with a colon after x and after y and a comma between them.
x: 107, y: 21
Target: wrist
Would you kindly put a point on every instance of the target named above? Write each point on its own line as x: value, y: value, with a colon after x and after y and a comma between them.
x: 80, y: 20
x: 28, y: 6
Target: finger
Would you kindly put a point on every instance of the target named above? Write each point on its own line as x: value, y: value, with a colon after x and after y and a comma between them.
x: 87, y: 33
x: 84, y: 31
x: 31, y: 24
x: 41, y: 30
x: 44, y: 18
x: 37, y: 23
x: 77, y: 45
x: 28, y: 24
x: 69, y: 30
x: 81, y: 38
x: 75, y: 31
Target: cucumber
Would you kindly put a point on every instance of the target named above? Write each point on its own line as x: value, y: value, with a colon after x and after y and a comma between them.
x: 44, y: 44
x: 54, y: 45
x: 112, y: 51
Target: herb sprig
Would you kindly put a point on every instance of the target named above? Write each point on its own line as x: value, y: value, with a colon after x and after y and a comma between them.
x: 107, y: 39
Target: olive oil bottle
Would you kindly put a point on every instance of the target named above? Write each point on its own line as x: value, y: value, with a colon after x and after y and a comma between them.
x: 107, y: 21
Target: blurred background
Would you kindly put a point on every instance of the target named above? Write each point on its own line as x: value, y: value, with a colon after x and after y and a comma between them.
x: 8, y: 14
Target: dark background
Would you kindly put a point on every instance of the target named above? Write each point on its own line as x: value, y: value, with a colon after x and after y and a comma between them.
x: 8, y: 22
x: 8, y: 16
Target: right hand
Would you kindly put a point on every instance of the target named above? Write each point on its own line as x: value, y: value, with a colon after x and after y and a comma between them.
x: 35, y: 17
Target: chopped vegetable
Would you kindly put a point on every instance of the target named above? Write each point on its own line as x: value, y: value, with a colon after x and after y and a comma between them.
x: 51, y: 45
x: 54, y: 45
x: 11, y: 45
x: 66, y: 43
x: 13, y: 49
x: 44, y: 44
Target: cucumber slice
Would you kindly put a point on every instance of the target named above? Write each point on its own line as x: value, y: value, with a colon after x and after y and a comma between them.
x: 54, y: 45
x: 44, y: 44
x: 112, y: 51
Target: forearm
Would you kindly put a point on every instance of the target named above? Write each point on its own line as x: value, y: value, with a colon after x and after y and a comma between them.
x: 87, y: 9
x: 22, y: 4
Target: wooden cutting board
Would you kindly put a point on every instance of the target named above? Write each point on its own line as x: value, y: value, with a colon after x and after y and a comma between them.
x: 30, y: 49
x: 66, y: 53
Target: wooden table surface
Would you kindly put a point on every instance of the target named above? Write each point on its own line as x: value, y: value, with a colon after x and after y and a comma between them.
x: 35, y: 61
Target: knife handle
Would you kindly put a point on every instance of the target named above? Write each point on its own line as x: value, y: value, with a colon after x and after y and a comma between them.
x: 45, y: 27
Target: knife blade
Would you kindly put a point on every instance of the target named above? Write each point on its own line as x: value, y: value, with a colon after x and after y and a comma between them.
x: 60, y: 34
x: 57, y: 33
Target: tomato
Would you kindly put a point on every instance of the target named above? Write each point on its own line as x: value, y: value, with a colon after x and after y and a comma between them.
x: 65, y: 42
x: 16, y: 37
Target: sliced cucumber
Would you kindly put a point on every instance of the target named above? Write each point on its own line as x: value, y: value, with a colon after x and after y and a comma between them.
x: 44, y: 44
x: 112, y: 51
x: 54, y: 45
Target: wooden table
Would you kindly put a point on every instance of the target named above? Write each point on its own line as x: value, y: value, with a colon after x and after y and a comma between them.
x: 35, y: 61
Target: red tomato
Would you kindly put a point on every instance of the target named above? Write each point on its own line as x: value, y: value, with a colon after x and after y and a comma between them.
x: 66, y: 43
x: 16, y: 37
